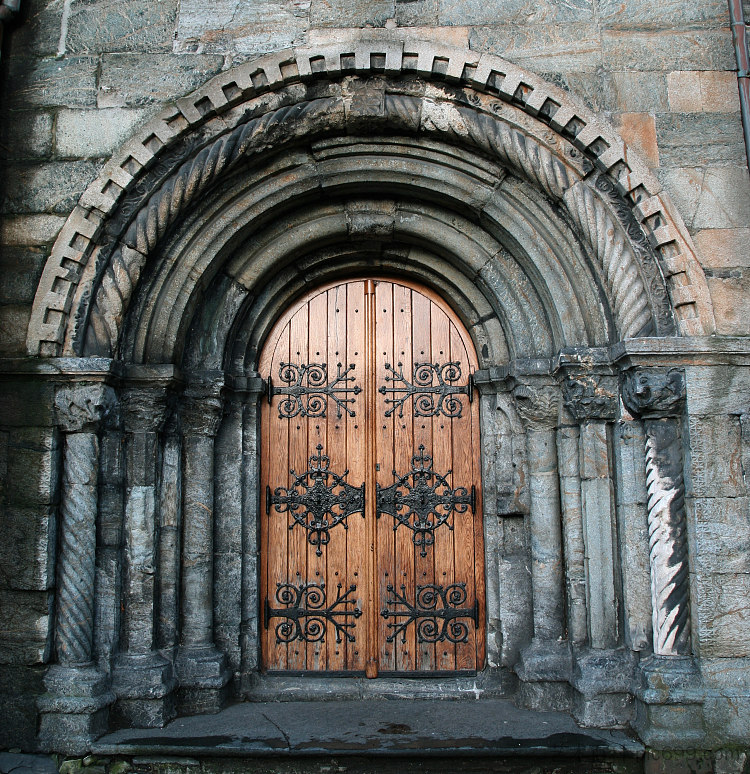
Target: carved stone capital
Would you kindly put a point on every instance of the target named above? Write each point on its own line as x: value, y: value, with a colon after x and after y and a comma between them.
x: 590, y: 396
x: 538, y: 407
x: 201, y: 409
x: 145, y: 408
x: 653, y: 393
x: 82, y: 408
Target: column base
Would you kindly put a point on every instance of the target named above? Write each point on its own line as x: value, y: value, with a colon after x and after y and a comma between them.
x: 544, y: 670
x: 75, y: 710
x: 669, y: 703
x: 144, y: 685
x: 602, y: 688
x: 203, y: 678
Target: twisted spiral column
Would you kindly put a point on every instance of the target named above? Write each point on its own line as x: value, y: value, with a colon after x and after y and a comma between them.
x: 657, y: 395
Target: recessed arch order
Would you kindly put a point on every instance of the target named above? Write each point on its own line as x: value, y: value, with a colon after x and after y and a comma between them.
x: 459, y: 169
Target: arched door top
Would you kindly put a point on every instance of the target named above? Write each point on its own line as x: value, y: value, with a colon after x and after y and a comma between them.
x: 479, y: 102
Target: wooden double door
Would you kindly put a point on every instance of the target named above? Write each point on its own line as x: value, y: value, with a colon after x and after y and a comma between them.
x: 372, y: 557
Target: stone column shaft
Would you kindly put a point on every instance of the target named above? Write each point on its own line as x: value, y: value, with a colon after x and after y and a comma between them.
x: 201, y: 668
x: 572, y: 513
x: 657, y: 395
x: 170, y: 510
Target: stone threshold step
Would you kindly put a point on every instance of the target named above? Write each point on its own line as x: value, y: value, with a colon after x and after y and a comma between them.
x: 386, y: 729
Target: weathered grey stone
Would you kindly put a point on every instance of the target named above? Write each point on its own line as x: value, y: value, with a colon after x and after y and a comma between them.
x: 642, y: 14
x: 96, y: 26
x: 67, y: 82
x: 30, y: 230
x: 543, y: 48
x: 25, y: 638
x: 417, y: 12
x: 39, y: 35
x: 716, y: 390
x: 703, y: 91
x: 514, y: 12
x: 724, y: 247
x: 27, y: 556
x: 720, y: 534
x: 715, y: 468
x: 351, y: 13
x: 137, y: 80
x: 668, y: 50
x: 244, y: 28
x: 94, y: 133
x: 722, y: 610
x: 728, y: 294
x: 682, y: 139
x: 27, y: 135
x: 27, y: 764
x: 717, y: 197
x: 21, y: 271
x: 14, y: 320
x: 33, y: 467
x: 594, y: 88
x: 637, y: 92
x: 22, y: 685
x: 53, y: 188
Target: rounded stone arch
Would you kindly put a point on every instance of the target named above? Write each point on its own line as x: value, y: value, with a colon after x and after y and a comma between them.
x: 639, y: 253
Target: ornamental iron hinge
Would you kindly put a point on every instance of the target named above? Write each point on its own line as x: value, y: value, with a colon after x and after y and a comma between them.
x: 318, y: 500
x: 433, y: 387
x: 423, y: 500
x: 306, y: 389
x: 436, y: 612
x: 306, y: 614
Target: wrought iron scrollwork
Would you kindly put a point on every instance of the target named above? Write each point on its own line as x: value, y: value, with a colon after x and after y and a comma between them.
x: 318, y: 500
x: 423, y: 500
x: 306, y: 389
x: 433, y: 387
x: 307, y: 615
x: 436, y: 610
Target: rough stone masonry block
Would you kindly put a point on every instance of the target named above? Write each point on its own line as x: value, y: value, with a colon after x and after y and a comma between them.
x: 138, y: 80
x: 19, y: 689
x: 351, y: 13
x: 543, y: 48
x: 669, y: 14
x: 722, y: 609
x: 53, y: 188
x: 724, y: 247
x: 33, y: 468
x: 21, y: 268
x: 95, y: 133
x: 717, y: 197
x: 715, y: 458
x: 703, y: 91
x: 103, y: 26
x: 717, y: 390
x: 30, y: 230
x: 682, y: 139
x: 519, y: 12
x: 68, y: 82
x: 236, y: 26
x: 720, y: 534
x: 14, y: 320
x: 27, y: 620
x: 26, y: 135
x: 27, y: 551
x: 637, y: 92
x: 693, y: 49
x: 729, y: 296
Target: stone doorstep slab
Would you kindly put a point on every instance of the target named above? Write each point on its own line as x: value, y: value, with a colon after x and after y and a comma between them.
x: 397, y: 728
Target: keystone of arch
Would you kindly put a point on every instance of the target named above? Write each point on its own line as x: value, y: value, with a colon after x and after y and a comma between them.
x: 71, y: 270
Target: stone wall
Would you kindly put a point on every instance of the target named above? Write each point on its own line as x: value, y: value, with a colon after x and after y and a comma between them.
x: 80, y: 77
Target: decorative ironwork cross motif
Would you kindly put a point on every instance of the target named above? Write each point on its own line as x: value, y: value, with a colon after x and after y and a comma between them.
x: 430, y: 399
x: 436, y: 611
x: 318, y: 500
x: 307, y: 389
x: 307, y: 615
x: 423, y: 500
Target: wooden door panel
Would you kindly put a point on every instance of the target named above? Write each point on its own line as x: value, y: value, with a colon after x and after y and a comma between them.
x: 415, y: 602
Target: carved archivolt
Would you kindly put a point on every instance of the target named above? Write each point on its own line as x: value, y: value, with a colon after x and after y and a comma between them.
x: 71, y: 276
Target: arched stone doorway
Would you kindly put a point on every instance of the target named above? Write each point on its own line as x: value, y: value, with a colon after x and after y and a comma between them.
x: 467, y: 176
